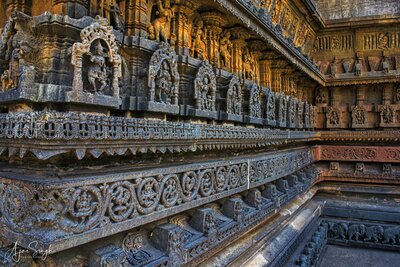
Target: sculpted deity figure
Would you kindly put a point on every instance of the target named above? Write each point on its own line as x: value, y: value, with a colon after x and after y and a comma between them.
x: 164, y: 84
x: 205, y: 86
x: 248, y: 64
x: 254, y: 102
x: 358, y: 115
x: 270, y: 106
x: 98, y: 73
x: 387, y: 113
x: 199, y: 47
x: 385, y: 65
x: 383, y: 41
x: 320, y: 97
x: 333, y: 116
x: 233, y: 98
x: 160, y: 24
x: 358, y: 68
x: 225, y: 50
x: 110, y: 10
x: 397, y: 93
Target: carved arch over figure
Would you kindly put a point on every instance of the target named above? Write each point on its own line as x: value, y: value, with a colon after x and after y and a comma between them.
x: 97, y: 34
x: 163, y: 78
x: 234, y: 97
x: 205, y: 87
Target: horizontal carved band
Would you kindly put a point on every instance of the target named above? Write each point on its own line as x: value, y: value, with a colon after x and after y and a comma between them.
x: 150, y: 135
x: 90, y: 208
x: 360, y: 153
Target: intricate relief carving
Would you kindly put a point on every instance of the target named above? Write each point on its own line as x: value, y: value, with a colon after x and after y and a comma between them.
x: 320, y: 96
x: 99, y: 50
x: 249, y: 64
x: 358, y: 116
x: 254, y: 101
x: 234, y: 97
x: 205, y: 87
x: 387, y: 114
x: 199, y: 47
x: 282, y: 109
x: 225, y: 46
x: 270, y: 111
x: 160, y: 26
x: 333, y: 117
x: 163, y: 79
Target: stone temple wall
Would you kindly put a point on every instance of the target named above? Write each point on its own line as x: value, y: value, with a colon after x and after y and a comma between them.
x: 185, y: 133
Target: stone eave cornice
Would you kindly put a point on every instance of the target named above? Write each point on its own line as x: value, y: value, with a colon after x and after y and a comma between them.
x: 248, y: 14
x: 315, y: 15
x: 360, y: 80
x: 370, y: 21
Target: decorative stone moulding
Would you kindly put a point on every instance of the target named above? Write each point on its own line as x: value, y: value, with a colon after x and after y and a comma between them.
x: 205, y: 88
x: 185, y: 239
x: 163, y: 82
x: 254, y: 114
x: 233, y: 111
x: 76, y: 211
x: 360, y: 153
x: 98, y: 53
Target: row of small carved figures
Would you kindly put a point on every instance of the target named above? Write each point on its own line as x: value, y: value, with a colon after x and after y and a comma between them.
x: 313, y: 248
x: 191, y: 236
x: 82, y: 126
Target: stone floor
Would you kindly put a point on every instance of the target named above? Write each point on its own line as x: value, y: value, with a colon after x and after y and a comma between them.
x: 340, y: 256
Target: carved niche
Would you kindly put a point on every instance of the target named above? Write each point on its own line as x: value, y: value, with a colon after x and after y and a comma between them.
x: 270, y: 111
x: 205, y: 87
x: 98, y: 54
x: 333, y: 117
x: 233, y: 101
x: 163, y: 80
x: 358, y: 115
x: 307, y: 118
x: 254, y: 105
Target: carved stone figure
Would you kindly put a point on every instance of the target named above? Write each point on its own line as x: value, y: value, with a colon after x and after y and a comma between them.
x: 387, y: 114
x: 271, y: 106
x: 199, y: 47
x: 358, y: 67
x: 385, y: 65
x: 358, y: 115
x: 396, y: 90
x: 104, y: 65
x: 320, y: 97
x: 391, y: 235
x: 383, y: 41
x: 248, y: 65
x: 225, y: 50
x: 109, y: 9
x: 373, y: 233
x: 254, y: 102
x: 161, y: 24
x: 356, y: 231
x: 234, y: 97
x: 163, y: 79
x: 205, y: 87
x: 333, y: 116
x: 98, y: 74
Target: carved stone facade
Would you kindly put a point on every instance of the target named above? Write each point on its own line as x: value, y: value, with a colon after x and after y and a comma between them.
x: 166, y: 133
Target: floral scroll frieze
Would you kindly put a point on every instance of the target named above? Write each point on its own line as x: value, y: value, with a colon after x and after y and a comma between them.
x: 360, y: 153
x: 119, y: 203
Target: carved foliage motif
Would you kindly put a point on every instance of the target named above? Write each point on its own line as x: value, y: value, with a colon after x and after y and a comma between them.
x: 81, y: 208
x: 234, y: 97
x: 99, y: 46
x: 205, y: 86
x: 163, y: 78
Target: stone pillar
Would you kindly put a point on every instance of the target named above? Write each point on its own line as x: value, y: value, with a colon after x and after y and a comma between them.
x: 137, y: 21
x: 213, y: 29
x: 237, y: 61
x: 181, y: 29
x: 76, y: 9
